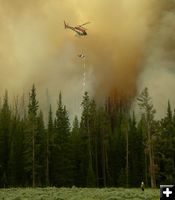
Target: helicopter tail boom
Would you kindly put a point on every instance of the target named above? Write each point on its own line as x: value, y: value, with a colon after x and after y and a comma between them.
x: 65, y: 25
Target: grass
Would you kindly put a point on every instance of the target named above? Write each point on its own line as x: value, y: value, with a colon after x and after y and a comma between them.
x: 78, y: 194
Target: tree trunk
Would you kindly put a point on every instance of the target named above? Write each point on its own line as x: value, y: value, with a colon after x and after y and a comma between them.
x: 153, y: 166
x: 47, y: 161
x: 127, y: 157
x: 103, y: 160
x: 96, y: 162
x: 151, y: 159
x: 33, y: 156
x: 103, y: 165
x: 146, y: 170
x: 108, y: 178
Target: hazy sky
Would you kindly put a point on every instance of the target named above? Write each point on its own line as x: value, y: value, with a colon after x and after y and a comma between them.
x: 159, y: 64
x: 130, y: 45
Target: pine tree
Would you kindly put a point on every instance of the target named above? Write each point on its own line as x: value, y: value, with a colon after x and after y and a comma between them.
x: 15, y: 162
x: 144, y: 101
x: 30, y: 138
x: 122, y: 148
x: 106, y: 148
x: 40, y: 153
x: 87, y: 128
x: 62, y: 165
x: 94, y: 134
x: 136, y: 154
x: 92, y: 173
x: 85, y: 144
x: 50, y: 149
x: 104, y: 130
x: 165, y: 148
x: 5, y: 124
x: 76, y: 151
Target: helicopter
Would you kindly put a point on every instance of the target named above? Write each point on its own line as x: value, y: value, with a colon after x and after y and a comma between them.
x: 80, y: 30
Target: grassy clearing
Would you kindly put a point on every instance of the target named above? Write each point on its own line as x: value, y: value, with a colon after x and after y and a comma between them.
x: 78, y: 194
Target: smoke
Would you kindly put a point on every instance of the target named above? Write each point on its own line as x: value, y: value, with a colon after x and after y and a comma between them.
x: 35, y: 47
x: 159, y: 68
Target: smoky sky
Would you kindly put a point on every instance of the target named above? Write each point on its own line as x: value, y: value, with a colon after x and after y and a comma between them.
x: 158, y: 72
x: 124, y: 42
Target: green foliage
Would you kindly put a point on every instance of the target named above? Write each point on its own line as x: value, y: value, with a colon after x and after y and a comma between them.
x: 165, y: 148
x: 30, y: 139
x: 105, y: 147
x: 33, y: 103
x: 136, y: 153
x: 62, y: 168
x: 145, y: 103
x: 5, y: 136
x: 148, y: 112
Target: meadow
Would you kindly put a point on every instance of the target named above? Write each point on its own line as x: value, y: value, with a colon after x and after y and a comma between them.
x: 78, y: 194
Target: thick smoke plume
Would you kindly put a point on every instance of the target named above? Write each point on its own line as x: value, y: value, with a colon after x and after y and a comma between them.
x: 159, y: 67
x: 35, y: 47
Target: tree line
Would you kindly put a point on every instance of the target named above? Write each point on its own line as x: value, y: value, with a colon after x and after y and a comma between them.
x: 106, y: 147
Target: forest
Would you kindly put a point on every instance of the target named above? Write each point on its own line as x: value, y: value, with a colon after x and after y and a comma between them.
x: 107, y: 147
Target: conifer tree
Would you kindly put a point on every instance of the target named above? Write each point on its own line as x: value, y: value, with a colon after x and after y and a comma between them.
x: 76, y: 151
x: 105, y: 148
x: 92, y: 173
x: 87, y: 167
x: 85, y: 144
x: 15, y: 162
x: 136, y: 154
x: 165, y: 148
x: 104, y: 130
x: 62, y: 165
x: 40, y: 153
x: 30, y: 138
x: 145, y: 103
x: 50, y: 149
x: 5, y: 123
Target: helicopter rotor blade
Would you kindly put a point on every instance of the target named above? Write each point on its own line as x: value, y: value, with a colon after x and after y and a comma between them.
x: 84, y: 24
